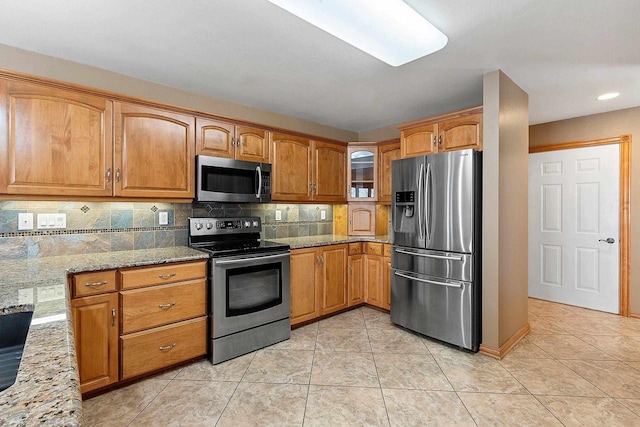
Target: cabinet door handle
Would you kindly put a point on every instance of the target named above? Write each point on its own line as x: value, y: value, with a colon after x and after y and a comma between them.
x: 322, y: 260
x: 171, y: 304
x: 233, y: 142
x: 96, y: 284
x: 440, y: 141
x: 113, y: 317
x: 166, y: 276
x: 350, y: 269
x: 109, y: 174
x: 117, y: 175
x: 167, y: 347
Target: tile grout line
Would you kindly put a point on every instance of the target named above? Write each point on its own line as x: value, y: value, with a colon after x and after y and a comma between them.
x: 306, y: 402
x: 375, y: 365
x: 151, y: 401
x: 235, y: 389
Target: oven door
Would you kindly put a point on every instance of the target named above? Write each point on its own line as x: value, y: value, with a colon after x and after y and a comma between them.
x: 228, y: 180
x: 249, y: 291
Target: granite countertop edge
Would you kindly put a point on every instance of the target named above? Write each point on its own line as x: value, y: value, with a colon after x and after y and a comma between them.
x: 329, y: 239
x: 47, y: 389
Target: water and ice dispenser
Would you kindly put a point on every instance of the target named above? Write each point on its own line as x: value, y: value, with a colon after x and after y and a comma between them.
x: 405, y: 214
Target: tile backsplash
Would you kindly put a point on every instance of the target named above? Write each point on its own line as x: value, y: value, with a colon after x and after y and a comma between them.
x: 117, y: 226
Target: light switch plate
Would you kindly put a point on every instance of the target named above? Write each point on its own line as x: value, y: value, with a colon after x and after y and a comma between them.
x: 278, y: 215
x: 323, y: 214
x: 163, y: 218
x: 25, y: 221
x: 48, y: 221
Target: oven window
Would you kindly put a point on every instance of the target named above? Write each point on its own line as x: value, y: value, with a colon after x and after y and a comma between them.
x: 252, y: 289
x: 228, y: 180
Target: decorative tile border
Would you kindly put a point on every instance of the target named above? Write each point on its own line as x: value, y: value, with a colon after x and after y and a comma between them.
x: 30, y: 233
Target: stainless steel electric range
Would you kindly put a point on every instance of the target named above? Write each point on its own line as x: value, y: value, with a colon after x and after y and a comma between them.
x: 249, y: 290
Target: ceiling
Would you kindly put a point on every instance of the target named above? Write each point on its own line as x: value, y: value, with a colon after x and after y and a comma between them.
x: 563, y: 53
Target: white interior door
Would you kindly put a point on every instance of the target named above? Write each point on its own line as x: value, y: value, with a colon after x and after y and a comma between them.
x: 573, y: 209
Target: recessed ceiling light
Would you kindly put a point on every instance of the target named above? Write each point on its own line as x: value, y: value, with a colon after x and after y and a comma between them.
x: 389, y: 30
x: 609, y: 95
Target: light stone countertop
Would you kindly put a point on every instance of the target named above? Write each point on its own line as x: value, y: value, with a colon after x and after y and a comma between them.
x: 328, y: 239
x: 47, y: 389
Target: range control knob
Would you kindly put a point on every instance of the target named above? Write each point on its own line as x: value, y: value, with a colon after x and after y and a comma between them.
x: 198, y: 225
x: 255, y: 223
x: 209, y: 226
x: 247, y: 224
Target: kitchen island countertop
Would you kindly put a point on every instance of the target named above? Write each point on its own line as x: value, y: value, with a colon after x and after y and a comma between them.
x: 47, y: 388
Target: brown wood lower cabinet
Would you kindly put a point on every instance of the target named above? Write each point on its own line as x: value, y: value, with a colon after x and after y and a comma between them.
x: 159, y: 316
x: 318, y: 282
x: 157, y: 348
x: 377, y: 275
x: 95, y: 320
x: 334, y: 277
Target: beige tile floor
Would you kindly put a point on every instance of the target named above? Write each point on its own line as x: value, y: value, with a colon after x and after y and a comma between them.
x: 576, y: 367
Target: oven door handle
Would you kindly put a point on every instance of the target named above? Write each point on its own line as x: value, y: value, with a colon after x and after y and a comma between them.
x: 256, y: 258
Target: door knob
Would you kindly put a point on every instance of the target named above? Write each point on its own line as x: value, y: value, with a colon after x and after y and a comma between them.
x: 610, y: 240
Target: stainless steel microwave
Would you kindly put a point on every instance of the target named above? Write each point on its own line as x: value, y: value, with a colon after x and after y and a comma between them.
x: 228, y: 180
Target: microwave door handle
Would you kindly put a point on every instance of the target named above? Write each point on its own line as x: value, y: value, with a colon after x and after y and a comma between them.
x: 259, y: 172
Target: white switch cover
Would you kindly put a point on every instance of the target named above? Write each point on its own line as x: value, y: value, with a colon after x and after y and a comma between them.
x: 278, y: 215
x: 25, y: 221
x: 163, y: 218
x: 323, y: 214
x: 47, y: 221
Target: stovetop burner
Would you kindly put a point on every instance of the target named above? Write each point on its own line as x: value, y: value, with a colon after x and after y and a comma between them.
x: 229, y: 236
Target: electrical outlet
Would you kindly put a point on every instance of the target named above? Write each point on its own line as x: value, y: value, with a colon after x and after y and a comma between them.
x: 25, y: 221
x: 323, y: 214
x: 25, y: 296
x: 278, y: 215
x: 163, y: 218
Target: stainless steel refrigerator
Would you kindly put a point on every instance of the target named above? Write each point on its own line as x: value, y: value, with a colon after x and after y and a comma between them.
x: 436, y: 235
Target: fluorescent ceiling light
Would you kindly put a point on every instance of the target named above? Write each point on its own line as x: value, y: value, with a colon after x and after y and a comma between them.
x: 609, y: 95
x: 390, y: 30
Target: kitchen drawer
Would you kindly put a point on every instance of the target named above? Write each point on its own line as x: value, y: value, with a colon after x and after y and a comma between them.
x: 95, y: 282
x: 159, y: 305
x: 373, y: 248
x: 138, y: 277
x: 355, y: 248
x: 387, y: 250
x: 163, y: 346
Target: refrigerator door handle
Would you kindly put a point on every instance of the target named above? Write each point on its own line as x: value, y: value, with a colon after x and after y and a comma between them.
x: 420, y: 196
x: 431, y: 282
x: 428, y: 200
x: 447, y: 257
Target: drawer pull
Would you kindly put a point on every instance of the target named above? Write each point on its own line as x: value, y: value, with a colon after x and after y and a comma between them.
x: 167, y: 276
x: 171, y: 304
x: 167, y: 347
x: 95, y: 284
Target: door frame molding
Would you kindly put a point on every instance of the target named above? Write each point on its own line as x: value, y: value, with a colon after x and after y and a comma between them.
x: 624, y: 141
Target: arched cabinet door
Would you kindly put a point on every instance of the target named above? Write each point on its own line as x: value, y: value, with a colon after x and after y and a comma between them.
x: 154, y: 152
x: 329, y: 172
x: 54, y: 142
x: 291, y: 168
x: 461, y: 133
x: 419, y: 141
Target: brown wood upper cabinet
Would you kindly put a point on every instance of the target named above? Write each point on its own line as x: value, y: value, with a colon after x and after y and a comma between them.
x: 54, y: 141
x: 388, y: 151
x: 222, y: 139
x: 454, y: 131
x: 154, y: 154
x: 305, y: 170
x: 362, y: 173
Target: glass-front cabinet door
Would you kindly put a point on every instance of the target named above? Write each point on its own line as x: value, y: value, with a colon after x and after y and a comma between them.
x: 363, y: 173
